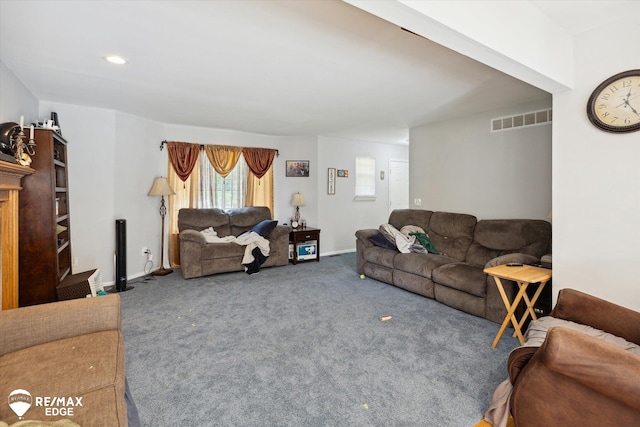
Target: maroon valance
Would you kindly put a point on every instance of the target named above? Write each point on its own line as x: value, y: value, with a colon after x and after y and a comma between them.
x: 183, y: 157
x: 259, y: 160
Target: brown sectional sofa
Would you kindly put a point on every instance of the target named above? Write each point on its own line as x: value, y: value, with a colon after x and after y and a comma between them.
x: 199, y: 258
x: 70, y: 349
x: 465, y: 247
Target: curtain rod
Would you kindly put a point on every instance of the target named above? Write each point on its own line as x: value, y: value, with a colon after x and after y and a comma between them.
x: 202, y: 147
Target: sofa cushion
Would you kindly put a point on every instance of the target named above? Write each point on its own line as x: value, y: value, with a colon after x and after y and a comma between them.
x: 401, y: 217
x: 243, y: 219
x: 451, y: 233
x: 200, y: 219
x: 462, y: 276
x: 221, y: 250
x: 496, y: 237
x: 383, y: 257
x: 90, y: 367
x: 421, y: 264
x: 265, y: 227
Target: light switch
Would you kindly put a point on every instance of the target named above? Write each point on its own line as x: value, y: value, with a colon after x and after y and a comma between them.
x: 417, y: 201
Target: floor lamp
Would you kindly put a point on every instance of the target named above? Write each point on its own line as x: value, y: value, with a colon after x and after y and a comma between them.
x: 161, y: 188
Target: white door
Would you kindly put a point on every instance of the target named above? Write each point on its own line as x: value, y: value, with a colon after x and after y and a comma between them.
x: 398, y: 184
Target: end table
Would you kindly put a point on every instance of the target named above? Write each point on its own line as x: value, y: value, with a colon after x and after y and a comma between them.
x: 301, y: 235
x: 523, y: 275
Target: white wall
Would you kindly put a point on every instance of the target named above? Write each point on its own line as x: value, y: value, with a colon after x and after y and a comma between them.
x: 112, y: 160
x: 596, y: 183
x: 289, y: 148
x: 596, y: 178
x: 137, y: 161
x: 460, y: 166
x: 15, y: 99
x: 297, y: 148
x: 339, y: 215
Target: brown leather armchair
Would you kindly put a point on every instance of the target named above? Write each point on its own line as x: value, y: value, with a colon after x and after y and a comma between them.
x: 574, y: 379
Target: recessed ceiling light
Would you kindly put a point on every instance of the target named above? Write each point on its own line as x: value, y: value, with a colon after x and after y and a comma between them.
x: 114, y: 59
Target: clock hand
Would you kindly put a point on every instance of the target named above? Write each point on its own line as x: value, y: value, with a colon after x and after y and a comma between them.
x: 625, y: 101
x: 633, y: 109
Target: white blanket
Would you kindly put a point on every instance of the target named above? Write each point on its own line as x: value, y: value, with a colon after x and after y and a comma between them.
x: 250, y: 240
x: 211, y: 236
x: 404, y: 242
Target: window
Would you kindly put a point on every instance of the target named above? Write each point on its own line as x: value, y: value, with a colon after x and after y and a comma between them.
x: 223, y: 193
x: 365, y: 178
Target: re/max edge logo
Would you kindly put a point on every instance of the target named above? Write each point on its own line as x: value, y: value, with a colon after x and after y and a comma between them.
x: 21, y: 400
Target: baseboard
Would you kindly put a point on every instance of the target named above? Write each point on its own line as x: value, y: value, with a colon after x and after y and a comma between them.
x: 333, y: 253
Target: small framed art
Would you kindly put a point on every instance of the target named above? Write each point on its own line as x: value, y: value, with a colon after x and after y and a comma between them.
x: 331, y: 181
x: 297, y: 168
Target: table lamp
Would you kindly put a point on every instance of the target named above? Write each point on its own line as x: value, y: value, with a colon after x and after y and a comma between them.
x: 297, y: 201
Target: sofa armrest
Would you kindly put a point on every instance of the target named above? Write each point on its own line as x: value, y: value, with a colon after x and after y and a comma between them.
x: 513, y: 257
x: 193, y: 236
x: 588, y: 310
x: 37, y: 324
x: 518, y: 359
x: 280, y: 232
x: 593, y: 363
x: 363, y: 236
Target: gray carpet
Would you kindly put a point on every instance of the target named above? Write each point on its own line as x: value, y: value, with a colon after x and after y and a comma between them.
x: 304, y: 346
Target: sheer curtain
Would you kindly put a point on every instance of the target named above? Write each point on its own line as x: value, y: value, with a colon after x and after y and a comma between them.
x: 218, y: 192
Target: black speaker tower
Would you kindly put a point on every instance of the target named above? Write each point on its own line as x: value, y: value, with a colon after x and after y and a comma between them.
x: 121, y: 257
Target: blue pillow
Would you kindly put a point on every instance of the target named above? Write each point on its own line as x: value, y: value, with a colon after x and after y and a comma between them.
x: 378, y: 239
x: 265, y: 227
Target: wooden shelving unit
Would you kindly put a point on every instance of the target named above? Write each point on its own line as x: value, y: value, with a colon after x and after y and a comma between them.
x: 45, y: 226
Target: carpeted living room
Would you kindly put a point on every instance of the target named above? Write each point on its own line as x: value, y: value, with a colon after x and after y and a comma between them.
x: 407, y: 185
x: 305, y: 345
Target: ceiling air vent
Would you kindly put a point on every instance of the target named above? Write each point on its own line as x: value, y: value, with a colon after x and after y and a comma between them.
x: 532, y: 118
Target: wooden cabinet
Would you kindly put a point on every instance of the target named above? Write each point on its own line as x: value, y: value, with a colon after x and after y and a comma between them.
x: 11, y: 176
x: 45, y: 239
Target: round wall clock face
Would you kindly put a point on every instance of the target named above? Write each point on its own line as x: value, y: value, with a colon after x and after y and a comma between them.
x: 614, y: 106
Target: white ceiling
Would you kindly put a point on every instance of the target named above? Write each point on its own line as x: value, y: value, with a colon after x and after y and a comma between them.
x: 269, y: 67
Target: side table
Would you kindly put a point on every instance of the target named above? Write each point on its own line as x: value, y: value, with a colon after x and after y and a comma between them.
x: 300, y: 235
x: 523, y: 275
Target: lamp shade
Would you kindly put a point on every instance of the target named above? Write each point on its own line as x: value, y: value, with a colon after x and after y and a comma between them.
x: 161, y: 187
x: 298, y: 200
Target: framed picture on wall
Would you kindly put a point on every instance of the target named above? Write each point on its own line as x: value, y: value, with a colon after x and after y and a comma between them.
x: 297, y: 168
x: 331, y: 181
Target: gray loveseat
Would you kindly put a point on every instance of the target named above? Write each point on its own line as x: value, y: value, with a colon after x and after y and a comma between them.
x: 465, y: 247
x: 199, y: 258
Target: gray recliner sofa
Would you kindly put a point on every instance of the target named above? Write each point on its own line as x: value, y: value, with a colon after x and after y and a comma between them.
x: 199, y: 258
x: 465, y: 248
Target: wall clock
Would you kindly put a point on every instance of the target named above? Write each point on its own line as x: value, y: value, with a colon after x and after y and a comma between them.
x: 614, y: 106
